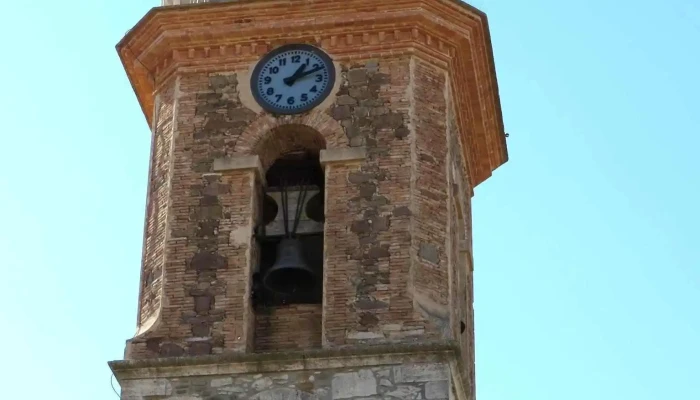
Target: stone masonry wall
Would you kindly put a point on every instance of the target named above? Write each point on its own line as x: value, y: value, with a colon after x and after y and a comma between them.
x: 386, y: 233
x: 429, y: 381
x: 210, y: 227
x: 368, y: 215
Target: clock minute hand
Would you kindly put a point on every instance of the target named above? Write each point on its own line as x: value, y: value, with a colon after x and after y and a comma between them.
x: 307, y: 73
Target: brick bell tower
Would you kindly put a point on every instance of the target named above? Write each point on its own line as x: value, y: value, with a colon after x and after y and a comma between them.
x: 308, y: 221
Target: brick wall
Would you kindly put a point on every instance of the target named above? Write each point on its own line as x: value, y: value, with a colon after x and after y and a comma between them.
x: 157, y: 201
x: 387, y: 267
x: 291, y: 327
x: 416, y: 93
x: 430, y: 268
x: 460, y: 247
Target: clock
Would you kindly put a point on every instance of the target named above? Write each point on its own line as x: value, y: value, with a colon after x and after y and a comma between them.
x: 292, y: 79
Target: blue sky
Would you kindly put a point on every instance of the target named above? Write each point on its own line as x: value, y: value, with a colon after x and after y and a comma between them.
x: 586, y: 242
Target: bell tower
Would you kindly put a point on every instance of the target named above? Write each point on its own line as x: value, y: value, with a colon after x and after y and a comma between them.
x: 308, y: 219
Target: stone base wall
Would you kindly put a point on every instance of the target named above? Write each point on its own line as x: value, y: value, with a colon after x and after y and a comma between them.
x: 430, y: 381
x: 292, y: 327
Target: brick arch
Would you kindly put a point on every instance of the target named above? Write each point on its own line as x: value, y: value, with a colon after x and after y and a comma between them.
x: 269, y: 137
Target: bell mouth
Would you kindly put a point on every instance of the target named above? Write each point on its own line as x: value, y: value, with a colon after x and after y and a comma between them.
x: 290, y: 274
x: 289, y: 280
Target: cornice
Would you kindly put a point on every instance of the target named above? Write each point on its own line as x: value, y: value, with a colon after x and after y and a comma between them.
x: 215, y: 37
x: 237, y: 363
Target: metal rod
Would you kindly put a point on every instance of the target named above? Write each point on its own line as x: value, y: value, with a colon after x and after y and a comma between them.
x: 285, y: 206
x: 303, y: 188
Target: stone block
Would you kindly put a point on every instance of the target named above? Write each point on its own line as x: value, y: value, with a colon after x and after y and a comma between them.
x: 420, y: 373
x: 146, y: 387
x: 437, y: 390
x: 354, y: 384
x: 405, y: 392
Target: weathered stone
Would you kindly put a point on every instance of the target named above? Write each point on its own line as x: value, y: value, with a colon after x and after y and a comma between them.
x: 380, y: 224
x: 404, y: 392
x: 360, y: 227
x: 203, y: 303
x: 171, y: 350
x: 420, y: 373
x: 401, y: 132
x: 365, y: 240
x: 372, y: 66
x: 199, y: 348
x: 353, y: 384
x: 429, y: 252
x: 240, y: 114
x: 341, y: 112
x: 201, y: 329
x: 368, y: 319
x: 359, y: 177
x: 363, y: 112
x: 148, y: 388
x: 378, y: 201
x: 281, y: 394
x: 262, y: 383
x: 345, y: 100
x: 153, y: 344
x: 218, y: 82
x: 367, y: 190
x: 367, y: 304
x: 401, y: 211
x: 357, y: 77
x: 360, y: 93
x: 391, y: 120
x: 219, y: 382
x: 380, y: 79
x: 379, y: 111
x: 208, y: 228
x: 369, y: 102
x: 208, y: 261
x: 357, y: 141
x: 437, y: 390
x: 378, y: 252
x: 208, y: 212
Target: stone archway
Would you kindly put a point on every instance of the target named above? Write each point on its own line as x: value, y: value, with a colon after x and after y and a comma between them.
x: 266, y: 126
x: 284, y: 139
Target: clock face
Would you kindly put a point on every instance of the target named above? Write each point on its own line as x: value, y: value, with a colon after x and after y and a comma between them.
x: 292, y: 79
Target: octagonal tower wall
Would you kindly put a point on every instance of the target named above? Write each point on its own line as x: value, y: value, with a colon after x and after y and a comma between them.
x: 410, y: 128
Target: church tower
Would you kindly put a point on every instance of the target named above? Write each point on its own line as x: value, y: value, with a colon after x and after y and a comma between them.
x: 308, y: 220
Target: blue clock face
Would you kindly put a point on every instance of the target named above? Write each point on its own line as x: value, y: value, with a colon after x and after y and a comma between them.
x: 293, y: 79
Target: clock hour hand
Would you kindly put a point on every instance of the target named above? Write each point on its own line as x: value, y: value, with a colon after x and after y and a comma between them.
x: 289, y: 81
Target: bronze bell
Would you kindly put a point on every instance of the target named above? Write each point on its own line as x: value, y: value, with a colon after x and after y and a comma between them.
x: 290, y: 273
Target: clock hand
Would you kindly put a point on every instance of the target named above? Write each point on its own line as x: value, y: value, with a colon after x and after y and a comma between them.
x: 291, y: 79
x: 307, y: 73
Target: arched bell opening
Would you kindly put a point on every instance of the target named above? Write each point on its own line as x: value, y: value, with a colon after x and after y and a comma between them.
x: 291, y: 233
x: 288, y: 285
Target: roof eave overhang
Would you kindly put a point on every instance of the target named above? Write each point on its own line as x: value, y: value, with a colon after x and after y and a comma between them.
x: 215, y: 36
